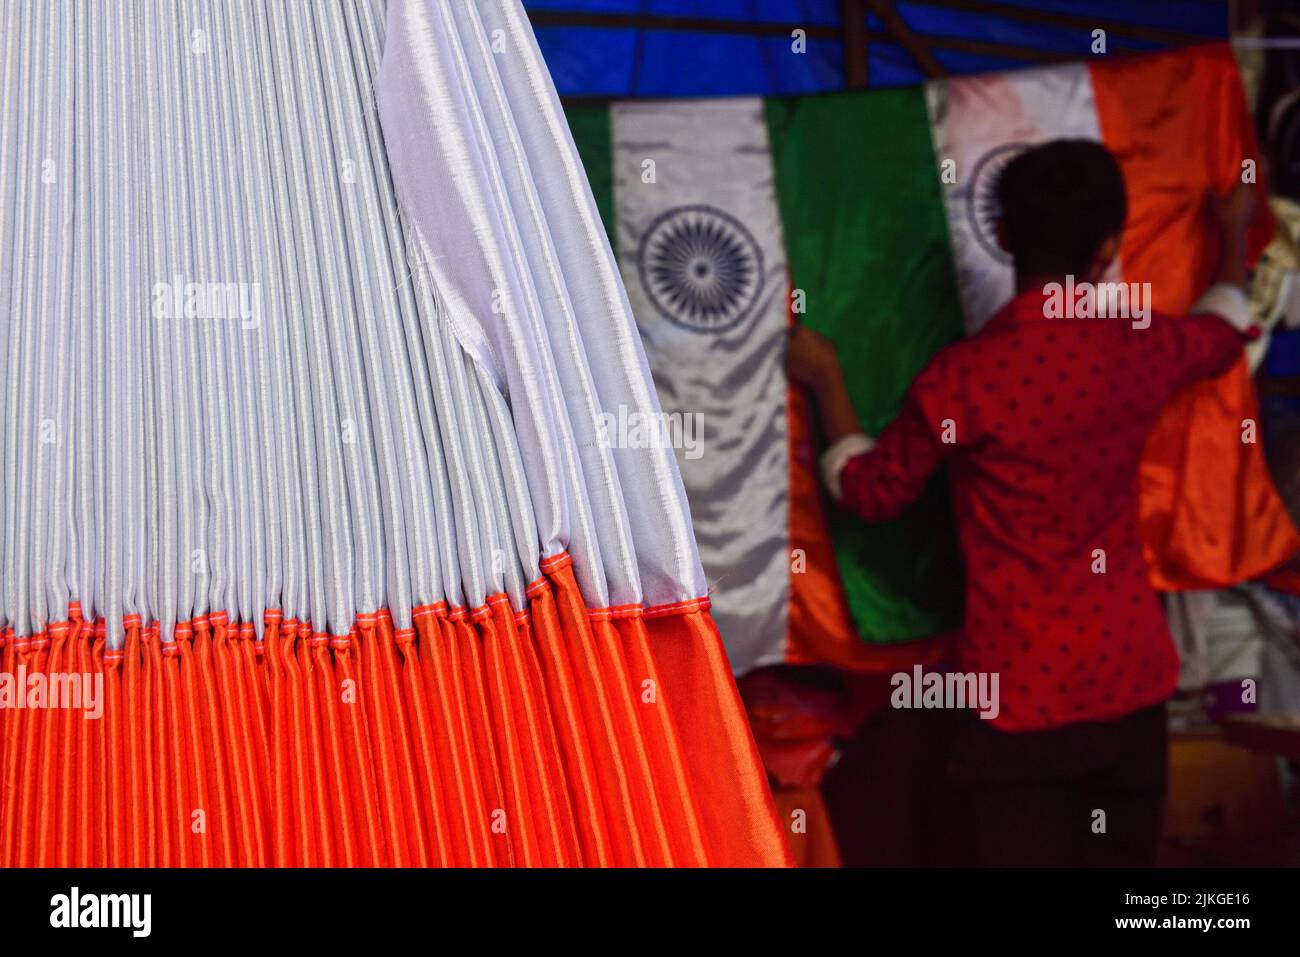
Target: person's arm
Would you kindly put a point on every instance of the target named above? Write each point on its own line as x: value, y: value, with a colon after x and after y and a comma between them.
x: 1230, y: 216
x: 812, y: 362
x: 1210, y: 340
x: 875, y: 479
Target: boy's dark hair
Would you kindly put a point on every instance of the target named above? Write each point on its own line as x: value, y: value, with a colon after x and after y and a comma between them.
x: 1059, y: 202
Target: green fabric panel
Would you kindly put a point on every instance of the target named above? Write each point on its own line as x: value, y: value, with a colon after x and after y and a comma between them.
x: 868, y: 242
x: 590, y: 128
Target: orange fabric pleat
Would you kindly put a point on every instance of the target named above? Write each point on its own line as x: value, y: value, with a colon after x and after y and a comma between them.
x: 10, y: 736
x: 140, y: 836
x: 198, y: 806
x: 90, y: 797
x: 471, y: 838
x: 343, y: 790
x: 47, y: 808
x: 159, y: 756
x: 520, y: 688
x: 554, y: 735
x: 283, y: 846
x: 494, y: 812
x: 34, y: 660
x: 425, y: 743
x: 656, y: 837
x: 115, y: 814
x: 727, y: 778
x: 358, y: 755
x: 314, y: 787
x: 64, y: 832
x: 518, y: 799
x: 663, y: 749
x: 1203, y: 525
x: 175, y: 821
x: 404, y: 830
x: 813, y: 841
x: 575, y: 746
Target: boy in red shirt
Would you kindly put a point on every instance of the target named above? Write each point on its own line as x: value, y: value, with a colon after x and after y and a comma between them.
x: 1041, y: 421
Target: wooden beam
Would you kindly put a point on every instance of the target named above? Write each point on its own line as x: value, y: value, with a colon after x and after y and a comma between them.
x: 991, y: 48
x: 853, y: 27
x: 897, y: 28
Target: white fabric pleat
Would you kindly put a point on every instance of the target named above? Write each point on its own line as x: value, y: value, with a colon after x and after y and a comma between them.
x: 427, y: 322
x: 592, y: 314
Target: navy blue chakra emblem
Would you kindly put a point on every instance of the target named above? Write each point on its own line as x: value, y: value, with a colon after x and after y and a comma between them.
x: 982, y: 210
x: 701, y: 268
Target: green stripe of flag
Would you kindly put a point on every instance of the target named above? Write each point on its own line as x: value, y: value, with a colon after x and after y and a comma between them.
x: 590, y: 128
x: 867, y: 240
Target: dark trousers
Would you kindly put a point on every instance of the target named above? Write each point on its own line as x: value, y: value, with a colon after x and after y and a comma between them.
x: 1085, y: 795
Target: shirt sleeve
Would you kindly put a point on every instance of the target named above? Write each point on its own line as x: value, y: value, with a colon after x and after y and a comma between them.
x: 1208, y: 342
x: 839, y: 455
x: 877, y: 479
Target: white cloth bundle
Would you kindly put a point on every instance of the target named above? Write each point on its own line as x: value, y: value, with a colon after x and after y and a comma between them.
x: 307, y: 306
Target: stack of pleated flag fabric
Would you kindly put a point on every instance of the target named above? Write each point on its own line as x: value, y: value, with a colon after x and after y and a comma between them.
x: 315, y: 547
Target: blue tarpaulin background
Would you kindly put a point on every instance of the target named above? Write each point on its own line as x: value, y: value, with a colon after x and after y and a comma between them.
x: 613, y: 48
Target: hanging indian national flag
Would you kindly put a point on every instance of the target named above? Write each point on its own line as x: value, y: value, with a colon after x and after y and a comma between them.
x: 871, y: 216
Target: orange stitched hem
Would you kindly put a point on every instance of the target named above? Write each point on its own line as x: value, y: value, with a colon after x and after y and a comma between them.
x: 246, y: 630
x: 453, y: 729
x: 555, y: 562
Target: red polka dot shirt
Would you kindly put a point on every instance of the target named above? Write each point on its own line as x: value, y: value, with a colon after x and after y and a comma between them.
x: 1041, y: 422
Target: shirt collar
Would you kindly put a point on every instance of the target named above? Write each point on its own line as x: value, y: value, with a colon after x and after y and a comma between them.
x: 1027, y: 306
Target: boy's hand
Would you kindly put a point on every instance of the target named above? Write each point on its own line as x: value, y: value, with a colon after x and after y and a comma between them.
x: 1233, y: 211
x: 1231, y: 215
x: 810, y: 358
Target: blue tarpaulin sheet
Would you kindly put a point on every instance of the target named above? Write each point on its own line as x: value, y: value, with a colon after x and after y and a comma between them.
x: 622, y: 52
